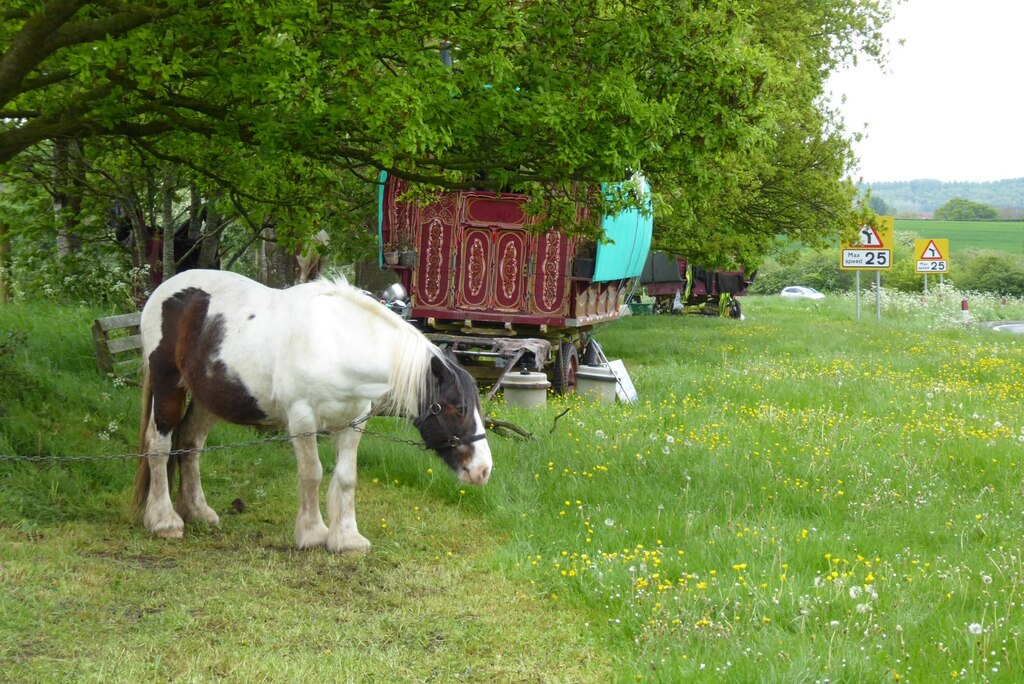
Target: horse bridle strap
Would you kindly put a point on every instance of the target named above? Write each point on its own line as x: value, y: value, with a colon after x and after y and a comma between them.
x: 452, y: 440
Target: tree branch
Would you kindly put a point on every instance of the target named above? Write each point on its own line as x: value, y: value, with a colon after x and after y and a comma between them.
x: 500, y: 425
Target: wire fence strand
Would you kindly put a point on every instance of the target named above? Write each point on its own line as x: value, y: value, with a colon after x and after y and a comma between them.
x: 354, y: 425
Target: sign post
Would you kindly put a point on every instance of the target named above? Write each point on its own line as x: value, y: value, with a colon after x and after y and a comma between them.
x: 857, y: 276
x: 873, y: 252
x: 931, y: 256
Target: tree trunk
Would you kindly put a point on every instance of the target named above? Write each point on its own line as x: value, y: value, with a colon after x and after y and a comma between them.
x: 67, y: 198
x: 141, y: 286
x: 277, y: 266
x: 262, y: 262
x: 212, y: 229
x: 284, y: 267
x: 167, y: 222
x: 195, y: 219
x: 5, y: 255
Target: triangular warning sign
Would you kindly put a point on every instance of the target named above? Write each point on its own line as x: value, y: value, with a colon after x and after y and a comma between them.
x: 869, y: 237
x: 931, y: 252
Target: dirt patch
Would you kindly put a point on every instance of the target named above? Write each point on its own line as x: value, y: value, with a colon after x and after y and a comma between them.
x: 138, y: 561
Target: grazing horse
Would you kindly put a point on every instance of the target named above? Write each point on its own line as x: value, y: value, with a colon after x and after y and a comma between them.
x: 316, y: 356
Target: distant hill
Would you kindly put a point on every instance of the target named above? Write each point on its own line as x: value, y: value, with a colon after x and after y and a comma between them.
x: 927, y: 195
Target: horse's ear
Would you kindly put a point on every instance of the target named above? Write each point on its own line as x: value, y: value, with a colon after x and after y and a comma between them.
x: 437, y: 367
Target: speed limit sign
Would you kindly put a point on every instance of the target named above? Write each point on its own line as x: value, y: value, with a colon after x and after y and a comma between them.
x: 931, y: 256
x: 873, y: 251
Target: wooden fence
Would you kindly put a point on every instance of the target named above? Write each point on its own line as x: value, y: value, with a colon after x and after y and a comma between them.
x: 117, y: 344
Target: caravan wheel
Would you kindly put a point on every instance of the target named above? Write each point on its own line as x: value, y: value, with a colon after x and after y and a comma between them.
x: 566, y: 365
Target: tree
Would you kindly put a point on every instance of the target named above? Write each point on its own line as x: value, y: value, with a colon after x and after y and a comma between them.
x: 992, y: 271
x: 273, y: 103
x: 960, y: 209
x: 535, y: 92
x: 880, y: 206
x: 793, y: 185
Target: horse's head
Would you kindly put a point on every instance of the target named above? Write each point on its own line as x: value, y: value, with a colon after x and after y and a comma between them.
x: 451, y: 424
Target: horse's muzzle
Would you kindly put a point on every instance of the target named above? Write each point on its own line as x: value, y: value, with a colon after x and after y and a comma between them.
x: 475, y: 476
x: 478, y: 470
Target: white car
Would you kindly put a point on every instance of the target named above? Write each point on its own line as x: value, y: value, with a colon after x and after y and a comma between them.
x: 801, y: 292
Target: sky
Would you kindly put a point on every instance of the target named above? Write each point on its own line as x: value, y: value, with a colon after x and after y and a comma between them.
x: 949, y: 104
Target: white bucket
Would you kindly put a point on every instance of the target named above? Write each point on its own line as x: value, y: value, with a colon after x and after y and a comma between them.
x: 596, y: 382
x: 526, y: 389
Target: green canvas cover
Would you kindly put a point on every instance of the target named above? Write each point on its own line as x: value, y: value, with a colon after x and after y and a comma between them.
x: 630, y: 239
x: 381, y: 179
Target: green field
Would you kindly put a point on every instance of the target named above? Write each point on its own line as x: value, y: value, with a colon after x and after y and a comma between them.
x: 797, y: 497
x: 1005, y: 237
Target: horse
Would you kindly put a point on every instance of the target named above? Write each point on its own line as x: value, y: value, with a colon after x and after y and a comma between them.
x: 317, y: 356
x: 186, y: 248
x: 308, y: 259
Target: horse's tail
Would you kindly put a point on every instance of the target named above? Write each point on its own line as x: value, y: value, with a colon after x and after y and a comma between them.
x: 142, y: 475
x: 142, y: 470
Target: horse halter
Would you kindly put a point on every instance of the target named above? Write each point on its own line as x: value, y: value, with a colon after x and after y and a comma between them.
x: 451, y: 440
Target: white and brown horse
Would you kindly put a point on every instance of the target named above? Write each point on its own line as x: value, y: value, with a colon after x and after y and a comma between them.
x: 313, y: 357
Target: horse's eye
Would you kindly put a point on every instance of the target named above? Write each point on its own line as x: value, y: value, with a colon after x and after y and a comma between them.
x: 462, y: 411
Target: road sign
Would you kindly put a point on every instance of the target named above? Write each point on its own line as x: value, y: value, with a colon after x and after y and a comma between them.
x: 931, y: 256
x: 868, y: 259
x: 873, y: 250
x: 870, y: 237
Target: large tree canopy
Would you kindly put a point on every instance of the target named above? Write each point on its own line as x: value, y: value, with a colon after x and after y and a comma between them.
x: 718, y: 101
x: 960, y: 209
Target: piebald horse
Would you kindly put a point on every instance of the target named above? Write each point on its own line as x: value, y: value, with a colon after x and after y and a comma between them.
x: 317, y: 356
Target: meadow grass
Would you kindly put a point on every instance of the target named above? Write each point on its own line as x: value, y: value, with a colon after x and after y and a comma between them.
x: 1003, y: 236
x: 798, y: 496
x: 89, y: 596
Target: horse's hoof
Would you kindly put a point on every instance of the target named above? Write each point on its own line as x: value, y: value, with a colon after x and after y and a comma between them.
x: 311, y: 538
x: 165, y: 526
x: 190, y: 512
x: 355, y: 551
x: 209, y: 517
x: 352, y: 546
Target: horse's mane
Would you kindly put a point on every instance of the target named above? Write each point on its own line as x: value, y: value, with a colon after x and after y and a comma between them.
x: 409, y: 377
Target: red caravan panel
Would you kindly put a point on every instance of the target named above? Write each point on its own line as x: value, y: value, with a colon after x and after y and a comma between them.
x: 510, y: 275
x: 436, y: 238
x: 476, y: 266
x: 491, y: 270
x: 550, y: 277
x: 505, y: 211
x: 401, y: 218
x: 477, y: 261
x: 493, y: 255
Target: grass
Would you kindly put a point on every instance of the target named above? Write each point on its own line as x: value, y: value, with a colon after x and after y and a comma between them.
x: 798, y: 496
x: 999, y: 236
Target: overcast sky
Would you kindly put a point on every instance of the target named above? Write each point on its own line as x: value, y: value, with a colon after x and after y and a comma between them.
x: 950, y: 103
